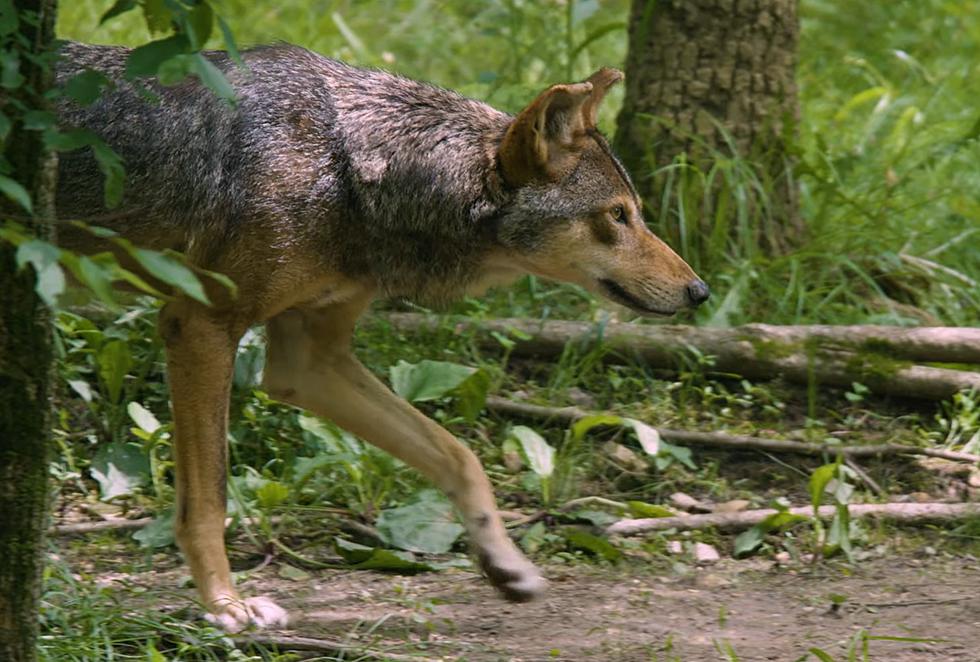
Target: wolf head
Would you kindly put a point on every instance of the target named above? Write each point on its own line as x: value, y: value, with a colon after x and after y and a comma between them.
x: 575, y: 215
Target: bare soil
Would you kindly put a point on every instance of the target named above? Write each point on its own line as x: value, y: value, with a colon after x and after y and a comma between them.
x: 626, y: 613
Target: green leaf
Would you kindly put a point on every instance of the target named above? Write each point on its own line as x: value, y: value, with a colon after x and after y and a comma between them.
x: 112, y: 167
x: 539, y: 454
x: 114, y: 361
x: 8, y: 17
x: 369, y: 558
x: 13, y: 190
x: 43, y: 257
x: 158, y: 533
x: 158, y: 16
x: 427, y: 380
x: 118, y: 7
x: 168, y: 268
x: 643, y: 509
x: 671, y: 452
x: 38, y: 120
x: 82, y: 388
x: 146, y: 60
x: 428, y: 524
x: 10, y: 76
x: 272, y: 494
x: 86, y: 87
x: 119, y: 468
x: 750, y: 539
x: 594, y: 544
x: 819, y: 479
x: 144, y: 418
x: 212, y: 78
x: 230, y: 44
x: 582, y: 426
x: 293, y: 573
x: 199, y: 23
x: 5, y: 126
x: 471, y: 394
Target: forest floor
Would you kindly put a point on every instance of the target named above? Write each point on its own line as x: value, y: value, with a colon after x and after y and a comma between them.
x: 734, y: 610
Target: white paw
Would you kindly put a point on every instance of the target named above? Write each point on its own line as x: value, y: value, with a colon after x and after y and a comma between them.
x: 236, y: 614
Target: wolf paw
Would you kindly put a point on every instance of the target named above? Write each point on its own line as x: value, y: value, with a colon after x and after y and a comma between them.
x: 516, y: 578
x: 236, y: 614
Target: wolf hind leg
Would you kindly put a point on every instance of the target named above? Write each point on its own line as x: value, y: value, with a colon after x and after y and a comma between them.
x: 310, y: 365
x: 200, y: 353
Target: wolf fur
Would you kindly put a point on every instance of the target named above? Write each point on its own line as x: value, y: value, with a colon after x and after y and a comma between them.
x: 327, y: 186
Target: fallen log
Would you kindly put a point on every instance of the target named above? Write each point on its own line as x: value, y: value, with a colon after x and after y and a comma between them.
x: 569, y: 415
x: 879, y: 357
x: 909, y: 513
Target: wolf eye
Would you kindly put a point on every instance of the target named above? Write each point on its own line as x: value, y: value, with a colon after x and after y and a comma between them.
x: 619, y: 214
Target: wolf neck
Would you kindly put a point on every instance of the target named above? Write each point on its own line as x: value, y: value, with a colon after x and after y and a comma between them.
x: 424, y: 184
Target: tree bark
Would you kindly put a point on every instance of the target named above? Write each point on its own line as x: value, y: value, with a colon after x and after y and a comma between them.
x: 879, y: 357
x: 25, y: 351
x: 708, y: 80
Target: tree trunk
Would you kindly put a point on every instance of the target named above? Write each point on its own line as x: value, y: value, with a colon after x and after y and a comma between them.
x: 25, y: 352
x: 711, y: 84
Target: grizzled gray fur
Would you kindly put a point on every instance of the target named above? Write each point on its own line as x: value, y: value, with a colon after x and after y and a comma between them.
x: 410, y: 164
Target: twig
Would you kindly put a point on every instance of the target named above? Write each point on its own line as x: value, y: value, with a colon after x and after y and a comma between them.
x: 732, y: 441
x: 327, y: 646
x: 911, y: 513
x: 863, y: 475
x: 118, y: 524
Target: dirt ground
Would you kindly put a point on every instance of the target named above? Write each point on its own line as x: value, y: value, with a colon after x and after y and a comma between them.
x: 631, y: 613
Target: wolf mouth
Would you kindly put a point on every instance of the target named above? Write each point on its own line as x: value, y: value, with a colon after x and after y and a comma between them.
x: 619, y: 293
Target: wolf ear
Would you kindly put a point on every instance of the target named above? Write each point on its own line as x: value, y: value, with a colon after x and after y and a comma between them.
x: 544, y: 140
x: 601, y: 81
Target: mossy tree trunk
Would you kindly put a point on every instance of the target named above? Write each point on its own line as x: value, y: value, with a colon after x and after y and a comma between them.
x: 710, y: 84
x: 25, y: 348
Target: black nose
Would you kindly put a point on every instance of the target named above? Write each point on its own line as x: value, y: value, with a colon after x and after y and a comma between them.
x: 698, y: 292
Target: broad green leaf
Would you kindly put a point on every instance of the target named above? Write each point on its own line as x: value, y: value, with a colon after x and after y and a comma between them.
x: 158, y: 533
x: 272, y: 494
x: 648, y: 436
x: 471, y: 394
x: 10, y: 76
x: 8, y: 17
x: 212, y: 78
x: 158, y: 15
x: 671, y: 452
x: 199, y: 23
x: 428, y: 524
x: 146, y: 60
x: 169, y: 269
x: 143, y: 417
x: 582, y: 426
x: 118, y: 7
x: 119, y: 468
x: 13, y: 190
x: 38, y: 120
x: 370, y: 558
x: 539, y: 454
x: 82, y: 388
x: 427, y: 380
x: 594, y: 544
x: 43, y: 257
x: 819, y: 479
x: 114, y: 361
x: 749, y: 540
x: 86, y: 87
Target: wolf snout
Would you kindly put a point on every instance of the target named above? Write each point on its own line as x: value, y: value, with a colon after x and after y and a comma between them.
x: 697, y: 292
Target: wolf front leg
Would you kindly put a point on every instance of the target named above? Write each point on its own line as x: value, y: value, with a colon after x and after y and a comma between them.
x: 200, y: 356
x: 309, y: 364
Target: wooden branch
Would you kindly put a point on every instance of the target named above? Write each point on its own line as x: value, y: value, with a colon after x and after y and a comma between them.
x: 909, y: 513
x: 116, y: 524
x: 568, y: 415
x: 878, y: 356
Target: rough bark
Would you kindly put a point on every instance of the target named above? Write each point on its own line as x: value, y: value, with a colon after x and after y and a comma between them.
x: 25, y: 361
x: 710, y: 78
x: 876, y: 356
